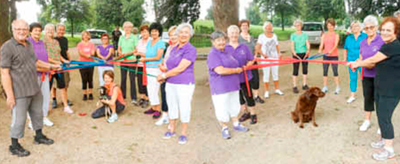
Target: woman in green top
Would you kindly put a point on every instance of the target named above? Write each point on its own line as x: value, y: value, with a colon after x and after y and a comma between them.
x: 300, y: 47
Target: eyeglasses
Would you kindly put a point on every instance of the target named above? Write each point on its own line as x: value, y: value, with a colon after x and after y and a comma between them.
x: 21, y: 29
x: 369, y: 28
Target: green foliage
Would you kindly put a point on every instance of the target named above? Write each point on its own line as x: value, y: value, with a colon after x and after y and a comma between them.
x: 173, y: 12
x: 253, y: 14
x: 324, y: 9
x: 108, y: 13
x: 132, y: 10
x: 283, y: 8
x: 210, y: 13
x: 361, y: 8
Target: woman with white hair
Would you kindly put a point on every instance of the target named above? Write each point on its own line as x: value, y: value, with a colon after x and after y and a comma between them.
x: 245, y: 58
x: 180, y: 81
x: 268, y: 47
x: 300, y: 47
x: 224, y: 70
x: 352, y: 53
x: 368, y: 48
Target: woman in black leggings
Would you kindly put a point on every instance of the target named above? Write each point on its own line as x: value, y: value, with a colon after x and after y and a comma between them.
x: 86, y: 50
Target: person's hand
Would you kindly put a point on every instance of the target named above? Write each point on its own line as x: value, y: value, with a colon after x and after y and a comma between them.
x: 55, y: 67
x: 280, y: 56
x: 239, y: 70
x: 307, y: 54
x: 162, y: 67
x: 160, y: 78
x: 67, y: 62
x: 319, y: 52
x: 142, y: 60
x: 10, y: 102
x: 265, y: 56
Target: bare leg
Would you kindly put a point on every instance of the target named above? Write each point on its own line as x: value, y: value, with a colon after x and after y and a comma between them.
x: 336, y: 81
x: 172, y: 125
x: 325, y: 79
x: 252, y: 110
x: 304, y: 80
x: 266, y: 85
x: 184, y: 128
x: 294, y: 78
x: 367, y: 115
x: 64, y: 97
x: 276, y: 83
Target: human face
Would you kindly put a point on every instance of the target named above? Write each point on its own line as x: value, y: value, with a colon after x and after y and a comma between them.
x: 387, y: 32
x: 219, y: 43
x: 144, y: 34
x: 370, y: 29
x: 20, y: 31
x: 330, y: 27
x: 49, y: 32
x: 298, y: 26
x: 128, y: 29
x: 108, y: 79
x: 268, y: 28
x: 154, y: 34
x: 184, y: 35
x: 233, y: 35
x: 244, y: 27
x: 355, y: 28
x: 104, y: 40
x: 85, y: 37
x: 60, y: 31
x: 173, y: 38
x: 36, y: 33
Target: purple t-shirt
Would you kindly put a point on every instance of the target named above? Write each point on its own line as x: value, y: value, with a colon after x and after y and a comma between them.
x: 370, y: 50
x: 40, y: 50
x: 220, y: 84
x: 243, y: 55
x: 104, y: 52
x: 187, y: 52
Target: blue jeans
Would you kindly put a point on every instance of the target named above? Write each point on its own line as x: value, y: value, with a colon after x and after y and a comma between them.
x: 353, y: 79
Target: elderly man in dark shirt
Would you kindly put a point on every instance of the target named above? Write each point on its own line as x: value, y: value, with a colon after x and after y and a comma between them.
x: 18, y: 64
x: 115, y: 36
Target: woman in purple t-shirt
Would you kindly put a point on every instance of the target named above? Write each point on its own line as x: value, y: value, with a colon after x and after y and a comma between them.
x: 104, y: 52
x: 224, y: 71
x: 179, y: 78
x: 368, y: 48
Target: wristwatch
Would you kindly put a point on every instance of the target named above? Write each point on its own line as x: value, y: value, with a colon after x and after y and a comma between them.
x: 163, y: 76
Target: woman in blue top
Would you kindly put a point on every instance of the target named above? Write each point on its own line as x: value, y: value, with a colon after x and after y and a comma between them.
x: 352, y: 53
x: 154, y: 52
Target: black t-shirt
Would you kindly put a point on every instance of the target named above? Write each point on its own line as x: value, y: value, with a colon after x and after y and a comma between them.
x: 387, y: 80
x: 116, y: 35
x: 63, y: 45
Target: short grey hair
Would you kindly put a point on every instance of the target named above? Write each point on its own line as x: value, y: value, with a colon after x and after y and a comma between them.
x: 60, y: 25
x: 371, y: 19
x: 49, y: 25
x: 127, y: 23
x: 172, y: 29
x: 266, y: 23
x: 183, y: 25
x: 397, y: 13
x: 298, y: 21
x: 217, y: 34
x: 233, y: 27
x: 356, y: 22
x: 15, y: 22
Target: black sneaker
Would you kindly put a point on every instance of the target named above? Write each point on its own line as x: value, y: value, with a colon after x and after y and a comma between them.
x: 69, y: 103
x: 141, y: 102
x: 54, y: 104
x: 19, y: 151
x: 295, y: 90
x: 90, y: 97
x: 259, y: 100
x: 305, y: 87
x: 145, y: 104
x: 253, y: 119
x: 43, y: 140
x: 244, y: 117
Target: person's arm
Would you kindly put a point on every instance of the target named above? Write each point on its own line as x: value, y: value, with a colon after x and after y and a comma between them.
x: 64, y: 60
x: 179, y: 69
x: 308, y: 49
x: 370, y: 62
x: 54, y: 61
x: 292, y: 49
x: 111, y: 51
x: 321, y: 44
x: 114, y: 97
x: 7, y: 85
x: 81, y: 53
x: 47, y: 66
x: 98, y: 54
x: 345, y: 54
x: 279, y: 52
x: 157, y: 57
x: 227, y: 71
x: 258, y: 49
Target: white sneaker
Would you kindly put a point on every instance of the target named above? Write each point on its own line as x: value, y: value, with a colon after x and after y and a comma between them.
x: 30, y: 125
x: 325, y: 89
x: 113, y: 118
x: 279, y: 92
x: 365, y: 125
x: 266, y: 94
x: 350, y: 100
x: 337, y: 90
x: 378, y: 144
x: 378, y: 131
x: 162, y: 120
x: 47, y: 122
x: 68, y: 110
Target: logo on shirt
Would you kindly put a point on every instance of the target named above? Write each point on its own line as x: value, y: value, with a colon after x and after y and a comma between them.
x: 375, y: 48
x: 242, y: 52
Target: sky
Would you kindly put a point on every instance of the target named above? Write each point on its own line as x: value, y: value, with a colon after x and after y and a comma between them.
x: 29, y: 10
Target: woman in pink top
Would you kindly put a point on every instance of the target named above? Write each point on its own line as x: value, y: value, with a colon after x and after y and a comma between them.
x: 141, y: 52
x: 86, y: 50
x: 329, y: 43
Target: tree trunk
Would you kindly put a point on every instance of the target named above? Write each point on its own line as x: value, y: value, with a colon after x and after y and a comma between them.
x: 282, y: 20
x: 226, y: 13
x: 72, y: 27
x: 13, y: 8
x: 4, y: 29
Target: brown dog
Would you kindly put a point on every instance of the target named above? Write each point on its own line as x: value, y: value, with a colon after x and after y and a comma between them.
x: 305, y: 107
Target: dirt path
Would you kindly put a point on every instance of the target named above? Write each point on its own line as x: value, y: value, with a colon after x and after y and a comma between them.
x: 275, y: 139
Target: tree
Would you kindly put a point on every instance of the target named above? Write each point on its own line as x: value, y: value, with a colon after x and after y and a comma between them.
x: 325, y: 9
x: 226, y: 13
x: 284, y: 8
x: 4, y: 28
x: 132, y: 10
x: 73, y: 11
x: 210, y: 14
x: 253, y: 14
x: 361, y: 8
x: 173, y: 12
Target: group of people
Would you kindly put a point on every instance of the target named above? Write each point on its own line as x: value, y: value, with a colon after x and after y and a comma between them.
x: 155, y: 68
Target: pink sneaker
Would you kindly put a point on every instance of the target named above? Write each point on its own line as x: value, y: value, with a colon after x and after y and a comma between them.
x: 68, y: 110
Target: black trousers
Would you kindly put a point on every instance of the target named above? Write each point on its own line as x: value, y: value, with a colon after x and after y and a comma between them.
x: 164, y: 106
x: 296, y: 66
x: 334, y: 66
x: 255, y: 81
x: 132, y: 75
x: 244, y: 95
x: 385, y: 106
x: 369, y: 94
x: 87, y: 77
x: 142, y: 88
